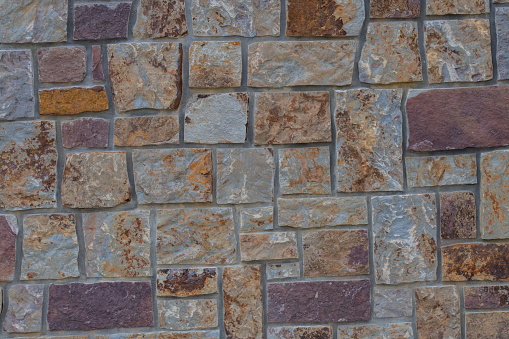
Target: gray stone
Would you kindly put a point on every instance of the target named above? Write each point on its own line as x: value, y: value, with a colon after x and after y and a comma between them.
x: 392, y: 302
x: 213, y: 334
x: 256, y: 219
x: 268, y: 246
x: 378, y: 331
x: 16, y: 85
x: 444, y: 7
x: 24, y: 314
x: 283, y: 270
x: 146, y: 130
x: 502, y: 26
x: 187, y: 314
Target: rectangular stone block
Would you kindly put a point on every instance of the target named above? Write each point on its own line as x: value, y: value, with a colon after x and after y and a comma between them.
x: 268, y: 246
x: 283, y: 270
x: 85, y: 132
x: 101, y: 21
x: 123, y: 336
x: 160, y: 19
x: 441, y: 7
x: 17, y: 85
x: 502, y: 24
x: 437, y: 311
x: 97, y: 63
x: 457, y: 215
x: 302, y: 332
x: 256, y: 219
x: 189, y: 335
x: 72, y: 101
x: 392, y: 302
x: 187, y: 314
x: 379, y: 9
x: 379, y: 331
x: 146, y: 130
x: 487, y: 324
x: 8, y: 236
x: 24, y: 314
x: 186, y: 282
x: 486, y: 296
x: 62, y: 64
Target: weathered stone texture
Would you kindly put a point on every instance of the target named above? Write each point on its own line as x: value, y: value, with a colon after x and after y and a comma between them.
x: 85, y: 132
x: 283, y: 271
x: 303, y: 332
x: 394, y: 9
x: 50, y: 247
x: 376, y: 331
x: 71, y: 101
x: 147, y: 130
x: 243, y: 302
x: 302, y: 63
x: 486, y: 296
x: 189, y: 335
x: 24, y: 314
x: 390, y: 54
x: 268, y: 246
x: 457, y: 215
x: 438, y: 312
x: 95, y: 179
x: 369, y: 140
x: 195, y: 236
x: 256, y: 219
x: 125, y: 336
x: 186, y: 282
x: 405, y: 238
x: 101, y: 21
x: 160, y: 19
x: 171, y: 176
x: 145, y: 75
x: 97, y: 63
x: 215, y: 64
x: 247, y: 18
x: 502, y: 27
x: 16, y: 87
x: 8, y: 236
x: 392, y: 302
x: 216, y: 118
x: 444, y: 7
x: 458, y: 50
x: 487, y: 325
x: 187, y: 314
x: 62, y: 64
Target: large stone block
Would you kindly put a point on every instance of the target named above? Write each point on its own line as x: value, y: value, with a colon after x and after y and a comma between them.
x: 85, y: 132
x: 378, y: 331
x: 148, y: 130
x: 186, y: 282
x: 301, y: 332
x: 74, y: 100
x: 62, y: 64
x: 8, y: 236
x: 187, y: 314
x: 394, y: 9
x: 268, y: 246
x: 160, y: 19
x: 17, y: 85
x: 486, y: 296
x: 392, y: 302
x: 101, y: 21
x: 487, y: 325
x: 24, y: 314
x: 457, y: 215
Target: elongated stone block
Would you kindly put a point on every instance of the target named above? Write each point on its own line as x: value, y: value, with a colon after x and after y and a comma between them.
x: 441, y: 7
x: 85, y: 132
x: 301, y: 332
x: 256, y: 219
x: 392, y: 302
x: 213, y: 334
x: 143, y: 131
x: 186, y: 282
x: 457, y: 215
x: 160, y: 19
x: 379, y: 331
x: 101, y: 21
x: 97, y: 63
x: 17, y: 85
x: 394, y: 9
x: 268, y: 246
x: 502, y: 23
x: 487, y: 324
x: 121, y: 336
x: 486, y: 296
x: 8, y: 236
x: 24, y: 314
x: 71, y: 101
x: 62, y: 64
x: 187, y: 314
x: 283, y: 270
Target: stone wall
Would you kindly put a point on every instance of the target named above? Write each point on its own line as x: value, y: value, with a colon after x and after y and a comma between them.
x: 175, y: 169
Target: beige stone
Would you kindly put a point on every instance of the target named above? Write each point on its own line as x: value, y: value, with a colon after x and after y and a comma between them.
x: 268, y: 246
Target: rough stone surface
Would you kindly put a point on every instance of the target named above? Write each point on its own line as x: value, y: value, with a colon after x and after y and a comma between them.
x: 145, y: 75
x: 148, y: 130
x: 29, y: 158
x: 71, y: 101
x: 125, y: 336
x: 186, y: 282
x: 244, y: 175
x: 292, y: 63
x: 486, y: 296
x: 444, y: 170
x: 268, y: 246
x: 458, y: 50
x: 85, y: 307
x: 394, y: 9
x: 95, y: 179
x: 322, y: 212
x: 335, y: 253
x: 247, y: 18
x: 117, y: 244
x: 215, y: 64
x: 216, y: 118
x: 444, y: 7
x: 256, y: 219
x: 303, y: 332
x: 160, y: 19
x: 369, y: 140
x: 97, y: 63
x: 8, y: 236
x: 292, y: 118
x: 62, y: 64
x: 390, y: 54
x: 243, y: 302
x: 16, y: 87
x: 376, y: 331
x: 101, y: 21
x: 318, y: 301
x: 392, y: 302
x: 189, y: 335
x: 487, y: 325
x: 171, y: 176
x: 330, y: 18
x: 502, y: 25
x: 195, y: 236
x: 187, y: 314
x: 283, y: 271
x: 85, y: 132
x: 24, y: 314
x: 50, y: 247
x: 405, y: 238
x: 33, y: 21
x: 457, y: 215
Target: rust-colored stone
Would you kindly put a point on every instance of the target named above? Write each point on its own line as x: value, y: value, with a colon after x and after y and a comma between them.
x: 394, y: 9
x: 486, y: 296
x: 268, y: 246
x: 301, y: 332
x: 142, y: 131
x: 186, y: 282
x: 71, y: 101
x: 457, y: 215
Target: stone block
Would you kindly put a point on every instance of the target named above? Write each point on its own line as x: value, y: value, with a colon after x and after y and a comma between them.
x: 97, y: 63
x: 74, y: 100
x: 444, y: 7
x: 85, y: 132
x: 502, y: 25
x: 101, y: 21
x: 186, y: 282
x: 301, y: 332
x: 187, y: 314
x: 256, y: 219
x: 487, y: 325
x: 17, y: 85
x: 379, y: 331
x: 268, y: 246
x: 392, y: 302
x: 160, y: 19
x: 457, y: 215
x: 486, y: 296
x: 8, y: 236
x: 394, y: 9
x: 62, y: 64
x: 283, y: 270
x: 146, y: 130
x: 24, y: 314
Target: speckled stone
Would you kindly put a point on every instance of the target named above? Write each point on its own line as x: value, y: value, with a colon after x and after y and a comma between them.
x: 216, y: 118
x: 256, y: 219
x: 29, y: 158
x: 331, y: 18
x: 16, y: 87
x: 95, y: 179
x: 186, y: 282
x: 302, y: 332
x: 173, y: 175
x: 146, y: 130
x: 243, y: 302
x: 322, y: 212
x: 502, y: 26
x: 187, y: 314
x: 458, y: 50
x: 268, y: 246
x: 486, y: 296
x: 247, y: 18
x: 24, y: 314
x: 33, y: 21
x: 101, y: 21
x: 377, y: 331
x: 444, y: 7
x: 457, y: 215
x: 125, y: 336
x: 390, y: 54
x: 62, y: 64
x: 392, y: 302
x: 369, y: 140
x: 85, y: 132
x: 97, y: 63
x: 405, y: 238
x: 214, y: 334
x: 195, y: 236
x: 244, y: 175
x: 214, y: 64
x: 50, y: 247
x: 301, y: 63
x: 86, y: 307
x: 145, y: 75
x: 8, y: 236
x: 160, y: 19
x: 487, y: 325
x: 437, y: 311
x: 283, y: 271
x: 394, y: 9
x: 74, y: 100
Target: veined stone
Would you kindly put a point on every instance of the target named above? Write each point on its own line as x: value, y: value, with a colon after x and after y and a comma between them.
x: 62, y: 64
x: 24, y: 314
x: 487, y: 324
x: 268, y: 246
x: 394, y: 9
x: 160, y: 19
x: 502, y: 23
x: 441, y: 7
x: 392, y: 302
x: 50, y: 247
x: 85, y: 132
x: 214, y: 334
x: 147, y: 130
x: 369, y: 140
x: 101, y: 21
x: 8, y: 236
x: 486, y: 296
x: 71, y: 101
x: 301, y: 63
x: 405, y: 238
x: 186, y: 282
x: 256, y: 219
x: 97, y: 63
x: 287, y: 332
x: 457, y: 215
x: 187, y: 314
x: 17, y: 85
x: 378, y: 331
x: 283, y: 271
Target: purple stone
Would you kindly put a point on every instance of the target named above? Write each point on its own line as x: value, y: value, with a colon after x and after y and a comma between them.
x: 85, y: 132
x: 97, y: 63
x: 486, y: 296
x: 96, y: 22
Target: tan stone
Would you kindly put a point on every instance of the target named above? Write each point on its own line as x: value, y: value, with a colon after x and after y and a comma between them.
x: 382, y: 331
x: 487, y: 325
x: 187, y: 314
x: 186, y: 282
x: 268, y: 246
x: 444, y: 7
x: 301, y: 332
x: 142, y: 131
x: 256, y: 219
x: 71, y: 101
x: 160, y: 19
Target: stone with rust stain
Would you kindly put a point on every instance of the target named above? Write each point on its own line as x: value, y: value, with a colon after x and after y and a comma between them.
x: 394, y: 9
x: 390, y: 54
x: 101, y: 21
x: 486, y: 296
x: 24, y: 314
x: 95, y: 179
x: 405, y: 238
x: 187, y: 314
x: 331, y: 18
x: 283, y: 270
x: 17, y: 85
x: 243, y: 302
x: 213, y: 334
x: 186, y: 282
x: 8, y: 236
x: 173, y: 175
x: 50, y: 247
x: 458, y: 50
x: 256, y: 219
x: 457, y: 215
x: 214, y: 64
x: 335, y: 253
x: 487, y: 325
x: 145, y: 75
x: 29, y: 158
x: 369, y: 140
x: 301, y: 332
x: 378, y: 331
x: 117, y: 244
x: 62, y: 64
x: 85, y: 132
x: 392, y: 302
x: 268, y: 246
x: 71, y: 101
x: 160, y: 19
x: 444, y: 7
x: 292, y: 118
x: 97, y: 63
x: 146, y: 130
x: 301, y: 63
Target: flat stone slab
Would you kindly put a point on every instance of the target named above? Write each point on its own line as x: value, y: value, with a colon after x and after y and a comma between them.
x: 101, y: 21
x: 486, y: 324
x: 256, y: 219
x: 212, y: 334
x: 160, y: 19
x: 24, y: 314
x: 392, y: 302
x: 288, y: 332
x: 8, y: 235
x: 268, y: 246
x: 186, y: 282
x: 85, y: 132
x: 72, y: 101
x: 384, y: 331
x: 97, y: 63
x: 147, y: 130
x: 62, y: 64
x: 283, y: 270
x: 187, y: 314
x: 17, y: 85
x: 438, y: 7
x: 486, y: 296
x: 457, y: 215
x: 502, y: 24
x: 394, y: 9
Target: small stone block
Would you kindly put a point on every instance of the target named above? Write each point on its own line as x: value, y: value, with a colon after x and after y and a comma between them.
x: 457, y: 215
x: 487, y: 325
x: 24, y: 314
x: 486, y: 296
x: 160, y: 19
x: 256, y: 219
x: 62, y: 64
x: 146, y: 130
x: 17, y: 85
x: 8, y: 236
x: 187, y: 314
x: 101, y: 21
x: 392, y: 302
x: 85, y: 132
x: 186, y: 282
x: 71, y: 101
x: 268, y: 246
x: 302, y: 332
x: 394, y: 9
x: 97, y: 63
x: 283, y: 270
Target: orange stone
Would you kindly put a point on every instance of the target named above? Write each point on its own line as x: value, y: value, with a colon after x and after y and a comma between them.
x: 71, y: 101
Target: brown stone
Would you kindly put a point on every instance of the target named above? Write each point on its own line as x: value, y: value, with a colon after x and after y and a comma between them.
x: 62, y: 64
x: 213, y: 334
x: 185, y: 314
x: 160, y: 19
x: 97, y: 63
x: 486, y: 296
x: 186, y: 282
x: 146, y: 130
x: 394, y: 9
x: 487, y: 325
x: 85, y: 132
x: 8, y: 235
x: 101, y: 21
x: 457, y: 215
x: 268, y: 246
x: 444, y: 7
x: 301, y: 332
x: 378, y: 331
x: 71, y: 101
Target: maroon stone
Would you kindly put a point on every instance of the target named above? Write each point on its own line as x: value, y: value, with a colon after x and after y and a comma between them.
x: 7, y: 249
x: 102, y: 305
x: 319, y: 301
x: 97, y: 63
x: 486, y: 296
x: 62, y: 64
x: 85, y: 132
x: 96, y: 22
x: 457, y: 118
x: 457, y: 215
